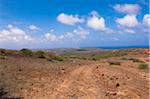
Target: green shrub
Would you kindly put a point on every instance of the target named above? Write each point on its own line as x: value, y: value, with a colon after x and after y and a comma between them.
x: 3, y: 57
x: 143, y: 66
x: 114, y: 63
x: 26, y: 52
x: 59, y: 58
x: 40, y: 54
x: 94, y: 59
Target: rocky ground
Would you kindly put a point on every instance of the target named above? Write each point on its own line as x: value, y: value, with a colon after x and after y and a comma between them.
x: 119, y: 77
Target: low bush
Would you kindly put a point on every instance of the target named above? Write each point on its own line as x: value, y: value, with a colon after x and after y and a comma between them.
x: 2, y: 50
x: 26, y: 52
x: 3, y: 57
x: 114, y: 63
x: 40, y: 54
x: 94, y: 59
x: 59, y: 58
x: 143, y: 66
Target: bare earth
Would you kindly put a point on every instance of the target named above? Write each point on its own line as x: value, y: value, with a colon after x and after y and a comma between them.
x: 32, y: 78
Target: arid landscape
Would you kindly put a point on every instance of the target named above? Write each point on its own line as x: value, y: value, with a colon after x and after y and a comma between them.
x: 74, y: 49
x: 74, y: 74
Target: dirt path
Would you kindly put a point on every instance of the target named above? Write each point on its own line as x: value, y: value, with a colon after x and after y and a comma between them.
x: 78, y: 83
x: 100, y: 82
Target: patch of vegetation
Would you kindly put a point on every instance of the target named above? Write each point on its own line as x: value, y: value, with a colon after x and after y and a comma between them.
x: 59, y: 58
x: 117, y: 54
x: 114, y: 63
x: 94, y: 59
x: 143, y: 66
x: 84, y: 58
x: 135, y: 60
x: 11, y: 52
x: 108, y: 55
x: 2, y: 50
x: 40, y: 54
x: 8, y: 52
x: 3, y: 57
x: 94, y: 55
x: 26, y: 52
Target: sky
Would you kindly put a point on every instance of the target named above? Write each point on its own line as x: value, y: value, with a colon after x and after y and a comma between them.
x: 73, y: 23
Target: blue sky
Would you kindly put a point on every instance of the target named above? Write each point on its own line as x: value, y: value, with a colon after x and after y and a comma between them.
x: 73, y: 23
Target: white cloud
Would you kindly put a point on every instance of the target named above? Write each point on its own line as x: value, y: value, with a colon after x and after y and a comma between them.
x: 80, y: 33
x: 9, y: 26
x: 128, y: 21
x: 33, y: 28
x: 96, y: 22
x: 129, y: 31
x: 50, y: 37
x: 69, y: 19
x: 127, y: 8
x: 14, y: 34
x: 76, y: 35
x: 146, y: 19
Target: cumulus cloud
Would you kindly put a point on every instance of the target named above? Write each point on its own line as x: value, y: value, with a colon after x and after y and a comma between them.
x: 128, y: 21
x: 69, y: 19
x: 33, y: 28
x: 14, y: 34
x: 127, y: 8
x: 76, y: 35
x: 96, y: 22
x: 146, y: 19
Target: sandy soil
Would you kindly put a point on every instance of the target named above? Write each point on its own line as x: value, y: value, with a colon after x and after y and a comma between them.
x: 75, y: 79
